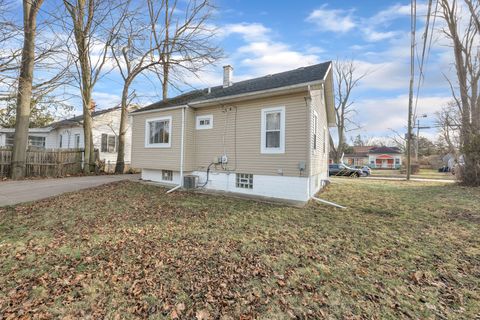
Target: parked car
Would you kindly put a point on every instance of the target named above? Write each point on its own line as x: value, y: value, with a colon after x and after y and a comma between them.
x: 339, y: 169
x: 366, y: 171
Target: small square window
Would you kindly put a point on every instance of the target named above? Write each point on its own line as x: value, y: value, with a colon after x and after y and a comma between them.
x: 204, y: 122
x: 245, y: 180
x: 167, y: 175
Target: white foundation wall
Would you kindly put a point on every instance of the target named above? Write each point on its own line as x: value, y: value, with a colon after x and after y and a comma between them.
x: 281, y: 187
x: 317, y: 182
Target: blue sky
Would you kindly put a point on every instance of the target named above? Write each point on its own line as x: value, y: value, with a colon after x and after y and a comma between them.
x: 264, y: 37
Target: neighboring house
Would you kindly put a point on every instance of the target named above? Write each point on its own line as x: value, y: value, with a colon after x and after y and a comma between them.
x: 66, y: 134
x: 266, y: 136
x: 359, y: 156
x: 374, y: 157
x: 385, y: 158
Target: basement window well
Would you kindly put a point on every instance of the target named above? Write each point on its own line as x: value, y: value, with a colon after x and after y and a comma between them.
x: 245, y: 180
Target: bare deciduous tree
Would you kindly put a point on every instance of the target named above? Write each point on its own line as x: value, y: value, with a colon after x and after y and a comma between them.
x: 448, y: 120
x: 464, y: 36
x: 347, y: 78
x: 183, y: 39
x: 165, y: 41
x: 24, y: 93
x: 94, y: 27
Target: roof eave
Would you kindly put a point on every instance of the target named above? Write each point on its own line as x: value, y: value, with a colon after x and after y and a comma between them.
x: 159, y: 109
x: 255, y: 94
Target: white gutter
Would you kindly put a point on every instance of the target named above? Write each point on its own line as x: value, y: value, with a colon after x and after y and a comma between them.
x: 30, y: 130
x: 159, y: 109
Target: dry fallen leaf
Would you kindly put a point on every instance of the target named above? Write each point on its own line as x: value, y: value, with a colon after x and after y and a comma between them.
x: 202, y: 315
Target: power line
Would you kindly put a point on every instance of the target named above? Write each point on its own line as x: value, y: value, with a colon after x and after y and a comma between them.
x: 424, y: 49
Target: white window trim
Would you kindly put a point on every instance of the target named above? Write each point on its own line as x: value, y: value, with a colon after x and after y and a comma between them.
x: 280, y: 149
x: 147, y: 133
x: 314, y: 132
x: 204, y: 117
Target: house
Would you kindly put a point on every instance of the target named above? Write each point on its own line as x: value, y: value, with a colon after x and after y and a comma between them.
x: 265, y: 137
x: 359, y: 156
x: 374, y: 157
x: 66, y: 134
x: 385, y: 158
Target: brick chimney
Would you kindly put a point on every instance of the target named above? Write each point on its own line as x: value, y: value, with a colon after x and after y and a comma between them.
x: 227, y: 76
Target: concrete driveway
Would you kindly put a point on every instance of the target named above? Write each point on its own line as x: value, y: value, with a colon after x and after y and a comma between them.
x: 13, y: 192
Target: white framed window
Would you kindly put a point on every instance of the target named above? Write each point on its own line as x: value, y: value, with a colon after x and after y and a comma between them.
x: 77, y: 140
x: 36, y: 141
x: 244, y: 180
x: 314, y: 131
x: 60, y: 144
x: 167, y: 175
x: 158, y: 132
x: 273, y: 130
x: 204, y: 122
x: 109, y: 143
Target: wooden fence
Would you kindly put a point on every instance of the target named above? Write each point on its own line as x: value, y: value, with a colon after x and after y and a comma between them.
x: 45, y: 162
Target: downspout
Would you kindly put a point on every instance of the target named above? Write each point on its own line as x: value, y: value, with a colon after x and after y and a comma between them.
x: 182, y: 139
x: 308, y: 102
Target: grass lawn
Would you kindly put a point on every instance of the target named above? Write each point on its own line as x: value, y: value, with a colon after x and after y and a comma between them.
x: 128, y: 250
x: 423, y: 173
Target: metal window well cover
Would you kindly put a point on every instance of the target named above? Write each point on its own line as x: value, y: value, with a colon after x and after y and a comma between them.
x: 190, y: 181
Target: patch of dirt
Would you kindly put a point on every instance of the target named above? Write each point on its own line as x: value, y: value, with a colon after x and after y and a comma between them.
x: 464, y: 215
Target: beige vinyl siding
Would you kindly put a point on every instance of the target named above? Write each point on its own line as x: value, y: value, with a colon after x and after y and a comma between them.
x: 156, y: 158
x: 245, y: 155
x: 319, y: 157
x: 189, y: 140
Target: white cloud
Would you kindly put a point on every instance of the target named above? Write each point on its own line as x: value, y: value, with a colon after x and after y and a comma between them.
x: 248, y: 31
x: 335, y: 20
x: 105, y: 100
x: 268, y: 57
x: 393, y: 111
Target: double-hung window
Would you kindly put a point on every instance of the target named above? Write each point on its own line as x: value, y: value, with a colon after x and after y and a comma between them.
x: 109, y: 143
x: 158, y: 132
x: 77, y: 140
x: 273, y: 130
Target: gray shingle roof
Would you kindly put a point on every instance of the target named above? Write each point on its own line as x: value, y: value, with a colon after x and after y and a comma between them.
x: 78, y: 119
x: 384, y: 149
x: 297, y: 76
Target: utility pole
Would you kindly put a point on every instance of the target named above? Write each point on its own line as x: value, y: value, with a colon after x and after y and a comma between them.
x: 413, y: 18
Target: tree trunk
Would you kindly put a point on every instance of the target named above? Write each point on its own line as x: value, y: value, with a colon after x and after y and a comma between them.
x: 24, y: 95
x: 166, y: 70
x: 120, y: 165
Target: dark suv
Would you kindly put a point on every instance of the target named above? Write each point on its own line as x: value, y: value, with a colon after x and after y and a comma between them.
x: 342, y: 170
